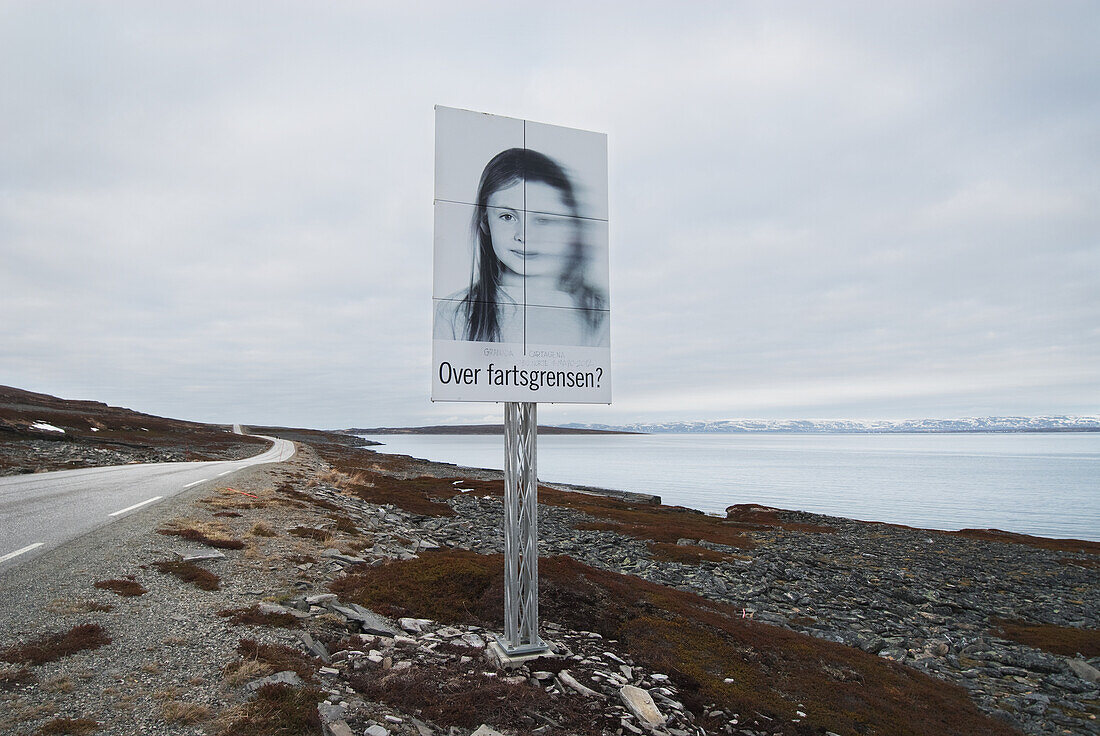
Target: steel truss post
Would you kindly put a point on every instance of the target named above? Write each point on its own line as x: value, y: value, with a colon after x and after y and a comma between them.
x: 521, y: 554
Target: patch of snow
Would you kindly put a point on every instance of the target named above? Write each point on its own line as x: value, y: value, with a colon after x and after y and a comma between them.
x: 143, y: 429
x: 95, y: 429
x: 47, y: 427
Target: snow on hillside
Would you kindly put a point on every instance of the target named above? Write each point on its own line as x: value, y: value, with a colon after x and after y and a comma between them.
x: 970, y: 424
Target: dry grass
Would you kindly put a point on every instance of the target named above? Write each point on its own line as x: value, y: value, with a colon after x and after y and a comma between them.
x: 261, y: 529
x: 55, y: 646
x: 13, y: 677
x: 60, y: 684
x: 175, y: 711
x: 245, y: 671
x: 210, y: 533
x: 697, y: 642
x: 1064, y: 640
x: 65, y: 607
x: 72, y: 726
x: 124, y: 587
x: 189, y: 572
x: 277, y: 709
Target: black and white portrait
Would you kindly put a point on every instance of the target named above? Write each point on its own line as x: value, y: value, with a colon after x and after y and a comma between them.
x: 521, y: 232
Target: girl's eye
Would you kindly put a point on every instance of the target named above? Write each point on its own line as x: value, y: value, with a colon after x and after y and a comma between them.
x: 507, y: 216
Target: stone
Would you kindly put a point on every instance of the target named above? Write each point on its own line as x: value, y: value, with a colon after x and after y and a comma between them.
x: 275, y: 608
x: 287, y: 677
x: 321, y: 598
x: 316, y: 648
x: 337, y: 728
x: 484, y: 730
x: 474, y: 640
x: 571, y: 682
x: 330, y: 712
x: 640, y: 704
x: 1084, y: 670
x: 414, y: 625
x: 377, y: 730
x: 369, y: 622
x: 422, y: 728
x: 194, y: 554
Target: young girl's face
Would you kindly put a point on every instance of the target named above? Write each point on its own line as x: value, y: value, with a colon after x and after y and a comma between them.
x: 539, y: 246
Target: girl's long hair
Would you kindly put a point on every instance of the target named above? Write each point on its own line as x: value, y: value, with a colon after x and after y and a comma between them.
x: 480, y: 303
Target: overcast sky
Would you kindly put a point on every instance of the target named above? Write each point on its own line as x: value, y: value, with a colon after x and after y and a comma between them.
x: 223, y: 211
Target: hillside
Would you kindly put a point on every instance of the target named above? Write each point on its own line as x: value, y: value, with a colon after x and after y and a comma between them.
x: 42, y: 432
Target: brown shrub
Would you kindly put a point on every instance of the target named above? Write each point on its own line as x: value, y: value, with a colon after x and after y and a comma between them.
x: 1065, y: 640
x: 55, y: 646
x: 362, y: 476
x: 73, y: 726
x: 765, y: 518
x: 345, y: 524
x: 454, y: 695
x: 1056, y: 545
x: 648, y: 521
x: 445, y: 588
x: 699, y: 643
x: 688, y: 554
x: 278, y: 709
x: 254, y: 617
x: 279, y: 657
x: 308, y: 532
x: 122, y: 587
x: 226, y: 514
x: 304, y: 499
x: 189, y: 572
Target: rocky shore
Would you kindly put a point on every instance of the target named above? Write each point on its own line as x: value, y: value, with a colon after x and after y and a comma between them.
x: 850, y: 605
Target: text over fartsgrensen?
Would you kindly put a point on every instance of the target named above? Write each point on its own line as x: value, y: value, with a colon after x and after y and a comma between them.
x: 494, y: 375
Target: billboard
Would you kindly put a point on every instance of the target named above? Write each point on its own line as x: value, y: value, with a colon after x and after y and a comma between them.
x: 520, y: 286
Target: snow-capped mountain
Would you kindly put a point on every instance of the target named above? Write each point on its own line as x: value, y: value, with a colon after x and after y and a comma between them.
x: 970, y: 424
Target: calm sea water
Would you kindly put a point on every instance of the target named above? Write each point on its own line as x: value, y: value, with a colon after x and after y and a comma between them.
x: 1043, y: 484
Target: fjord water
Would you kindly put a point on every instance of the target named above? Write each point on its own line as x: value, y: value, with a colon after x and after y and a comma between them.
x: 1033, y: 483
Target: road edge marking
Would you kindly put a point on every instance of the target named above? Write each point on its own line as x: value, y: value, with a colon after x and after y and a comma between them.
x: 16, y: 553
x: 136, y: 506
x: 196, y: 482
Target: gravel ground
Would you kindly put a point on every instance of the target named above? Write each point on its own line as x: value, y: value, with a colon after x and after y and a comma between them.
x: 168, y: 644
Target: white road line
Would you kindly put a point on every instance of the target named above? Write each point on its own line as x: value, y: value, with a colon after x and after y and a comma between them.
x: 225, y: 473
x: 196, y: 482
x: 18, y: 552
x: 136, y: 506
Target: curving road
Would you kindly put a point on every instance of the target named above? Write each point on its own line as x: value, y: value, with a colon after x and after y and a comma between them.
x: 42, y: 511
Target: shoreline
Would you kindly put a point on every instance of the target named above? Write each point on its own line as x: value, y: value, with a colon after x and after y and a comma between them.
x: 642, y: 496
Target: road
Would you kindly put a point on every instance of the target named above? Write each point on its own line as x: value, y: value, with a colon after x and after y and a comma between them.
x: 41, y: 511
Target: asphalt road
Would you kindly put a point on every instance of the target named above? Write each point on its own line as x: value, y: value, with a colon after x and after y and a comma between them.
x: 41, y: 511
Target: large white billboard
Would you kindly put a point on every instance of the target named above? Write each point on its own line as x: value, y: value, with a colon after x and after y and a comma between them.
x: 520, y: 289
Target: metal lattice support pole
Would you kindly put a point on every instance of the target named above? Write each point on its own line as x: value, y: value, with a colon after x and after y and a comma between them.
x: 521, y: 558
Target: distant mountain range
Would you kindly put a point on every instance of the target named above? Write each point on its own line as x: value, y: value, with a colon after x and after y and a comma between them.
x: 972, y: 424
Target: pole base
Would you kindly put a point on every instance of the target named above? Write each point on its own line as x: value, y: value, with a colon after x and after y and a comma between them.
x: 514, y: 656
